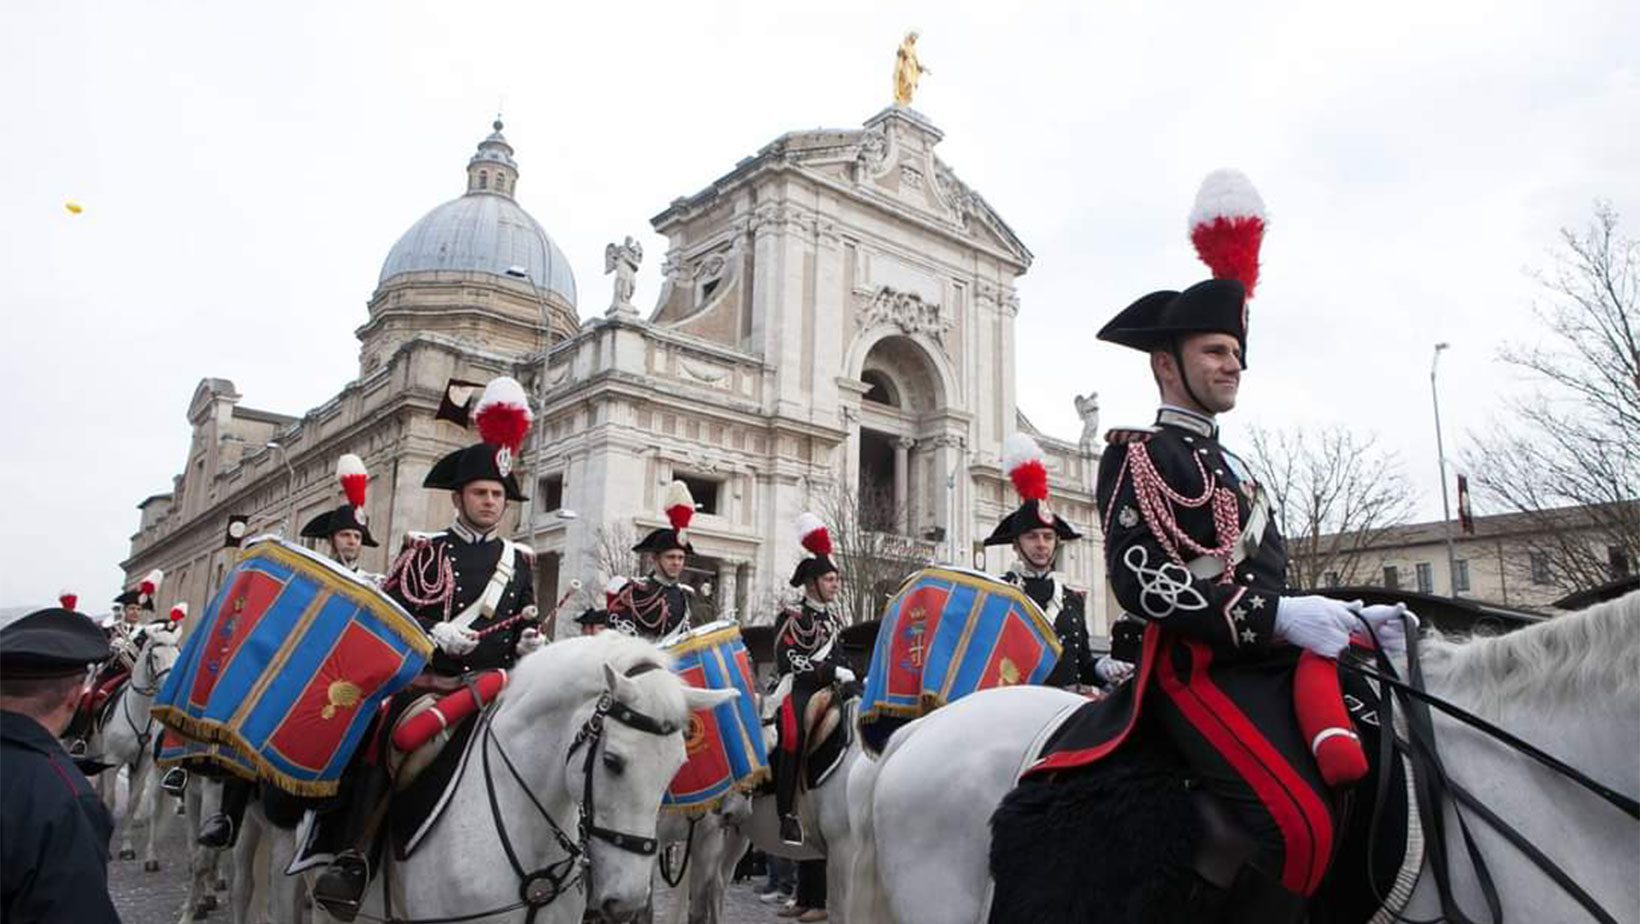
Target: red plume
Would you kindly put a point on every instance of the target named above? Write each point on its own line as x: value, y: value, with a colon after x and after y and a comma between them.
x: 179, y: 612
x: 353, y: 477
x: 150, y: 584
x: 812, y: 534
x: 680, y: 505
x: 1022, y: 460
x: 67, y: 599
x: 1227, y: 227
x: 503, y: 414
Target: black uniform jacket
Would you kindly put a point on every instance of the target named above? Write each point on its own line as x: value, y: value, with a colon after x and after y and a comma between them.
x: 803, y: 633
x: 1158, y: 491
x: 54, y: 832
x: 1070, y: 624
x: 650, y: 608
x: 471, y: 565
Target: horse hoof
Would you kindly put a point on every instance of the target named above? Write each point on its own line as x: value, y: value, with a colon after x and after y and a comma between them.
x: 128, y: 854
x: 206, y: 903
x: 200, y: 911
x: 150, y: 866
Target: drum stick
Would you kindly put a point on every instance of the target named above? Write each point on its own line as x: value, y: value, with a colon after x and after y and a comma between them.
x: 573, y: 587
x: 551, y: 622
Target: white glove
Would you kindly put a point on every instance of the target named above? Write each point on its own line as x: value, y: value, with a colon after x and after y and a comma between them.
x: 844, y: 675
x: 1387, y: 624
x: 529, y: 640
x: 1320, y: 624
x: 1111, y: 670
x: 453, y: 639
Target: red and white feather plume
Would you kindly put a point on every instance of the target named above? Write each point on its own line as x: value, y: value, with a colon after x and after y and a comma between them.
x: 355, y: 481
x: 1022, y: 460
x: 613, y: 589
x: 150, y: 585
x: 813, y: 535
x: 680, y: 505
x: 67, y: 599
x: 1227, y: 227
x: 179, y: 612
x: 502, y: 414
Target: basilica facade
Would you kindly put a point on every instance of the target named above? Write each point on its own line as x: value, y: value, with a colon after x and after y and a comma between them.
x: 835, y: 327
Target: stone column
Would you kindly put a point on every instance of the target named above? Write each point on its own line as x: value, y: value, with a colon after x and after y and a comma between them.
x: 902, y: 478
x: 728, y: 573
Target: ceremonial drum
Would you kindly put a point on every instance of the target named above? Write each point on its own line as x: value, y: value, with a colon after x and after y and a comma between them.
x: 724, y: 743
x: 947, y: 633
x: 289, y: 665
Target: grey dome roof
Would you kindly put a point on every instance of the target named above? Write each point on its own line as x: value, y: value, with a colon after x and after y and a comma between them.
x: 482, y: 232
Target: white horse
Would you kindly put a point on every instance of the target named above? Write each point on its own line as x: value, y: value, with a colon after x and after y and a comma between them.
x: 202, y: 798
x: 824, y: 811
x: 1569, y: 686
x: 126, y: 741
x: 703, y: 855
x: 261, y: 890
x: 588, y: 727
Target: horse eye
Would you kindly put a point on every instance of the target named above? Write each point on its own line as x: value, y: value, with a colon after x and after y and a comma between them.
x: 614, y: 763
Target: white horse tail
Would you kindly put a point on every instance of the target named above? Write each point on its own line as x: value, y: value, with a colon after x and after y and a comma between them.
x: 867, y: 899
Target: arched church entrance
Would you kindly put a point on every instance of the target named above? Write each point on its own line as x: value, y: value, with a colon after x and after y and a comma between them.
x: 896, y: 487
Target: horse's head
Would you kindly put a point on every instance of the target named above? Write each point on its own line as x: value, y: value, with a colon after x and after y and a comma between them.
x: 156, y: 657
x: 646, y: 711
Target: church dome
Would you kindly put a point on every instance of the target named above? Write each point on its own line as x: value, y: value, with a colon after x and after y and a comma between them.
x: 484, y: 231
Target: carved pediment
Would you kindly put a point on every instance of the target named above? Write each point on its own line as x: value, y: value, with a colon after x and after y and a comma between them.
x: 907, y: 311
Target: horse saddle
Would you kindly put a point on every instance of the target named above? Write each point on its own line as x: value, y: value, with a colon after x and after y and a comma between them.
x: 826, y: 736
x: 1135, y: 838
x: 425, y: 778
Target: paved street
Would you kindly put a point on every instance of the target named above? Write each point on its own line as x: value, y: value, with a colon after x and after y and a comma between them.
x: 158, y: 898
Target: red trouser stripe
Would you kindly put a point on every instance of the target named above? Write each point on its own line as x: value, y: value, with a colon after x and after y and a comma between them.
x: 788, y: 725
x: 1304, y: 822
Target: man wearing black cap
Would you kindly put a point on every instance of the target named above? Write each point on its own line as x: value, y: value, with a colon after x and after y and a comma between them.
x: 344, y: 533
x: 1036, y: 532
x: 54, y: 829
x: 658, y: 605
x: 1192, y: 551
x: 474, y: 593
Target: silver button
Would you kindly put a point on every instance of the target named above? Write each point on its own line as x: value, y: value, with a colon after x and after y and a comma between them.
x: 1218, y: 471
x: 1190, y: 439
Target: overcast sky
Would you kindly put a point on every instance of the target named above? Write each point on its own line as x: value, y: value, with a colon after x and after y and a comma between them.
x: 244, y: 174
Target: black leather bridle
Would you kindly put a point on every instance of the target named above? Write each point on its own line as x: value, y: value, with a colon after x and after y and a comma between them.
x: 541, y: 887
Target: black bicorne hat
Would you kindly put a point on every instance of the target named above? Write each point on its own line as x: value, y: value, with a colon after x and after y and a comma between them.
x: 592, y: 616
x: 1022, y: 461
x: 1227, y: 229
x: 813, y: 536
x: 143, y: 594
x: 1154, y: 322
x: 503, y: 418
x: 52, y: 642
x: 680, y: 512
x: 331, y: 522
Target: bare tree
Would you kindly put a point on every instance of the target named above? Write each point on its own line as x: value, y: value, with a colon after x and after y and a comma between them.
x: 1569, y: 460
x: 873, y: 560
x: 1334, y: 496
x: 612, y: 543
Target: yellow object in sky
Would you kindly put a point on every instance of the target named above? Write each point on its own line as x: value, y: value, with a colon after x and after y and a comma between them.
x: 73, y: 207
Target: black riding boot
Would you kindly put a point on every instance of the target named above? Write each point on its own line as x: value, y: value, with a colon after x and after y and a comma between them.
x: 340, y: 888
x: 222, y: 829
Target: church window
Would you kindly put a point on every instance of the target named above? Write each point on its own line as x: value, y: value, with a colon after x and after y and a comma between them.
x: 483, y: 180
x: 708, y: 288
x: 1426, y: 577
x: 1392, y: 577
x: 551, y: 490
x: 880, y: 388
x: 705, y: 492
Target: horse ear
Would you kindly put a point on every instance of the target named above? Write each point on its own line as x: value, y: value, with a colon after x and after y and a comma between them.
x: 697, y: 698
x: 619, y: 687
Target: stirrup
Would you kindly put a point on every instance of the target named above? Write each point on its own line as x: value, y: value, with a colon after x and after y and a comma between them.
x: 791, y: 830
x: 77, y: 749
x: 175, y: 781
x: 340, y: 888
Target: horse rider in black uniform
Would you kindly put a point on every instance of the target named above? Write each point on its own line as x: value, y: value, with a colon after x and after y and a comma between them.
x: 1192, y: 550
x: 474, y: 593
x: 344, y: 529
x: 1036, y: 532
x: 656, y: 607
x: 54, y: 828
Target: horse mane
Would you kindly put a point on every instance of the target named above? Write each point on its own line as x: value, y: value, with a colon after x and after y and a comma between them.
x: 1560, y: 662
x: 576, y: 665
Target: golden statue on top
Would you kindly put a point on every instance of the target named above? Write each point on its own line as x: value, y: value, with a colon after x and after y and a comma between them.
x: 907, y: 70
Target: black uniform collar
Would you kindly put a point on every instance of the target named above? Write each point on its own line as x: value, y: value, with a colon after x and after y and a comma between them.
x: 815, y: 606
x: 467, y: 534
x: 28, y: 732
x: 1024, y: 570
x: 661, y: 579
x: 1170, y: 415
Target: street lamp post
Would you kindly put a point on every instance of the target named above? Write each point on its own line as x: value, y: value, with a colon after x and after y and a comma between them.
x: 291, y: 490
x: 1440, y: 453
